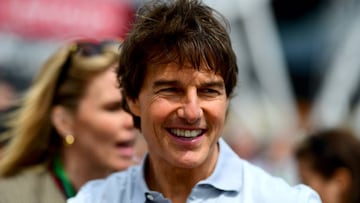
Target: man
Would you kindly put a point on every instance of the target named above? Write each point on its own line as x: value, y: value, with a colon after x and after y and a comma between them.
x: 178, y: 71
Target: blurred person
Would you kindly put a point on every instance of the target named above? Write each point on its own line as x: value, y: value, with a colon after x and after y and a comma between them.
x: 70, y: 127
x: 178, y: 74
x: 329, y: 162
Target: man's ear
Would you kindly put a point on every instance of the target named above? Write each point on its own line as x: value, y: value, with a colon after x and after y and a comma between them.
x: 62, y: 120
x: 134, y: 106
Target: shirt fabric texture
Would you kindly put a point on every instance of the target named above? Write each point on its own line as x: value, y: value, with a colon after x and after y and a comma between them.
x: 233, y: 181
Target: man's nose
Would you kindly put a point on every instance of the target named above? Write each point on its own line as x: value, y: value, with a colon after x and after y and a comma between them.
x: 190, y: 109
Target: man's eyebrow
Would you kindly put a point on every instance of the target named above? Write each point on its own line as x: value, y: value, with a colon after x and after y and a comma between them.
x: 218, y: 84
x: 164, y: 82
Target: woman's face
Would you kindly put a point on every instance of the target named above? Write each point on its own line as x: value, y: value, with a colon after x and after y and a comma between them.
x: 104, y: 133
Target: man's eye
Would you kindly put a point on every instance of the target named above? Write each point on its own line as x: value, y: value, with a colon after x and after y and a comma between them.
x: 209, y: 91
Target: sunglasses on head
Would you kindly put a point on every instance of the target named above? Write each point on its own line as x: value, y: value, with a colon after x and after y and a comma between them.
x: 85, y: 48
x: 92, y: 48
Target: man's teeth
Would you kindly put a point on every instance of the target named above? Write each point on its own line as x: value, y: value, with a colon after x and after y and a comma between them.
x: 186, y: 133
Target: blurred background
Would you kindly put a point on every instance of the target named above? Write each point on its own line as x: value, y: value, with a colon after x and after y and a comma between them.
x: 299, y: 63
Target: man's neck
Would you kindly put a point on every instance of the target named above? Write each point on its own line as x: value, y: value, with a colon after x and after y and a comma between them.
x: 176, y: 183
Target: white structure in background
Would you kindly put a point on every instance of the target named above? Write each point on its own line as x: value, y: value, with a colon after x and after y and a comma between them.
x: 332, y: 106
x: 265, y: 103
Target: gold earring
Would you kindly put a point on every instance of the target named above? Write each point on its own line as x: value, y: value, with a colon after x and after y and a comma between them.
x: 69, y: 139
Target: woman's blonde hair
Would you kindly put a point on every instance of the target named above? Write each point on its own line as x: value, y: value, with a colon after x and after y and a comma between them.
x: 61, y: 81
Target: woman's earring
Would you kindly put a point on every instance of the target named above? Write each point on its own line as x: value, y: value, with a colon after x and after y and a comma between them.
x: 69, y: 139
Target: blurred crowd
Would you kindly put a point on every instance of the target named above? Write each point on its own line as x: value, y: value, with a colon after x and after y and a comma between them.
x: 299, y: 64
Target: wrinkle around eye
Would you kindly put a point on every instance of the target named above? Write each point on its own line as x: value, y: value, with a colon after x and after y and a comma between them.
x: 211, y: 93
x: 171, y: 91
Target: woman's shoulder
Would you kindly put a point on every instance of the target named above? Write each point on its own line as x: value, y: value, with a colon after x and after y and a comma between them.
x: 25, y: 175
x: 33, y: 184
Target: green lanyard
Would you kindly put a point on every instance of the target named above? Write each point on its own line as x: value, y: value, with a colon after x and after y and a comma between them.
x: 64, y: 179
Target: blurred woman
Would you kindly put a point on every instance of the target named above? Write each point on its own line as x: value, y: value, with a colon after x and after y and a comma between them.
x: 329, y: 162
x: 70, y: 128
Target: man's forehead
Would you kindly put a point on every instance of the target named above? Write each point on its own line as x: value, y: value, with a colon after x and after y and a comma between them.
x: 180, y: 67
x: 173, y: 73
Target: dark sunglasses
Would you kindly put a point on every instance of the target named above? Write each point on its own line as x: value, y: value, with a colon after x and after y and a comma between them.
x: 93, y: 48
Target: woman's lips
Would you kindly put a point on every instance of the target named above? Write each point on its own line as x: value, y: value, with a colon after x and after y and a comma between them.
x: 126, y: 148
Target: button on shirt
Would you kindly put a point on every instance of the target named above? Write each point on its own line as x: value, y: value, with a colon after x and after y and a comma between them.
x: 233, y: 181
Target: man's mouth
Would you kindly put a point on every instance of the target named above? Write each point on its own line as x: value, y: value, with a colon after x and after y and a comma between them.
x: 186, y: 133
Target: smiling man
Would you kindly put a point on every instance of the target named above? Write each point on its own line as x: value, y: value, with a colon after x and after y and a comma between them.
x: 178, y: 72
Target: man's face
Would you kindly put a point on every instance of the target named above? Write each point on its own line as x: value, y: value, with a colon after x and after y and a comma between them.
x: 182, y: 114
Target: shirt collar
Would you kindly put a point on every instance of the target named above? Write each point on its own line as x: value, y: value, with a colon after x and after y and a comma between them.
x: 228, y: 163
x: 139, y: 179
x: 141, y: 175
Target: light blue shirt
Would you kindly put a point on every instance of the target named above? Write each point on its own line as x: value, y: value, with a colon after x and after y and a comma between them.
x: 233, y: 181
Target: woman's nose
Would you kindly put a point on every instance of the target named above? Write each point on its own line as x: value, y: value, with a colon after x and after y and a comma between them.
x: 127, y: 120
